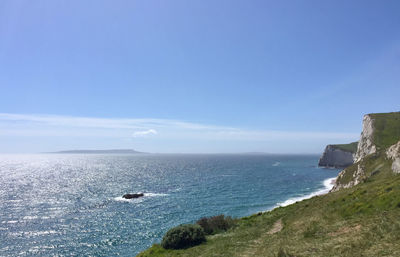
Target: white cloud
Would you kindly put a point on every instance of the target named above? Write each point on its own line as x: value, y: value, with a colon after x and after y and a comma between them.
x: 144, y: 133
x: 106, y: 123
x: 31, y: 124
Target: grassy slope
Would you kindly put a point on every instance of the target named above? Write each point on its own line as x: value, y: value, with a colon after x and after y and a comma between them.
x: 352, y: 147
x: 360, y: 221
x: 387, y: 129
x: 372, y: 164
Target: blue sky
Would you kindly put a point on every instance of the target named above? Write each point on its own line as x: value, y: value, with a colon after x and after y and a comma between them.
x: 194, y: 76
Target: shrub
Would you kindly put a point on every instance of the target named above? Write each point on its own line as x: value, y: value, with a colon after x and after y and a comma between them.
x: 216, y: 224
x: 312, y: 230
x: 282, y: 253
x: 183, y: 236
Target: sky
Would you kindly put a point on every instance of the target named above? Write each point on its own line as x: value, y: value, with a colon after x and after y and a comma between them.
x: 194, y: 76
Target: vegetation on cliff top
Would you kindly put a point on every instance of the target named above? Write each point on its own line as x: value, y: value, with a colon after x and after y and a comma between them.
x: 351, y: 147
x: 183, y: 236
x: 216, y: 224
x: 386, y: 129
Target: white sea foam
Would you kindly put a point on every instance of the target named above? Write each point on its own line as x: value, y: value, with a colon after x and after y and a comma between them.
x: 10, y: 221
x: 276, y: 164
x: 30, y: 217
x: 154, y: 194
x: 328, y: 184
x: 121, y: 199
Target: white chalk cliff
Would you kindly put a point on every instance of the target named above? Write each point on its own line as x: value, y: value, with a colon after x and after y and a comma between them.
x: 365, y: 145
x: 393, y: 153
x: 335, y: 157
x: 361, y: 169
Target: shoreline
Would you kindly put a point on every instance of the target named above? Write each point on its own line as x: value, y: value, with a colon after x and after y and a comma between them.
x: 328, y: 185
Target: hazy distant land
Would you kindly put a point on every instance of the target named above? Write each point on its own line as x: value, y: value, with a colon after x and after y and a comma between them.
x: 106, y: 151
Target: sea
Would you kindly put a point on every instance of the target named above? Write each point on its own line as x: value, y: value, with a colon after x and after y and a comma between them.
x: 72, y: 205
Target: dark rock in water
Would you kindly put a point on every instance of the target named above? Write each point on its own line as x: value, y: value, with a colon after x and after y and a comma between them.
x: 132, y: 196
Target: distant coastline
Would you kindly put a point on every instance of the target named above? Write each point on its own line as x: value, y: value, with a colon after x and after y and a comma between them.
x: 106, y: 151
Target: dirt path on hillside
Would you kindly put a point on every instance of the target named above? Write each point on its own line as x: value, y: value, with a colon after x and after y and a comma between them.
x: 253, y: 247
x: 278, y: 225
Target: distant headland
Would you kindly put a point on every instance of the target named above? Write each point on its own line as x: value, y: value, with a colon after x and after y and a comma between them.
x: 106, y: 151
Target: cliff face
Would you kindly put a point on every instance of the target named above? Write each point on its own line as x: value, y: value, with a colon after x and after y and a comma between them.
x: 365, y: 145
x: 355, y: 175
x: 335, y: 157
x: 377, y: 150
x: 350, y: 177
x: 393, y: 153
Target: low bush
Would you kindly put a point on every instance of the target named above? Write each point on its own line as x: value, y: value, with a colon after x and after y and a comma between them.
x: 216, y: 224
x: 282, y: 253
x: 312, y: 230
x: 183, y: 236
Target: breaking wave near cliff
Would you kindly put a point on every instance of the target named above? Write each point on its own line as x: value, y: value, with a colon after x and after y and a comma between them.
x: 327, y: 186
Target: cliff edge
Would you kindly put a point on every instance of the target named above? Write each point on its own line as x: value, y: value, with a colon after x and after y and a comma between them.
x: 378, y: 150
x: 366, y: 145
x: 338, y: 156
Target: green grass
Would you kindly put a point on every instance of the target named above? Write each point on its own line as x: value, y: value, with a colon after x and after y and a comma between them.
x: 360, y: 221
x: 352, y: 147
x: 347, y: 175
x: 387, y: 129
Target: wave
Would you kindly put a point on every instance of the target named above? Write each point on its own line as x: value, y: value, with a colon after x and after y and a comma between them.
x: 146, y: 195
x: 328, y: 185
x: 276, y: 164
x: 154, y: 194
x: 121, y: 199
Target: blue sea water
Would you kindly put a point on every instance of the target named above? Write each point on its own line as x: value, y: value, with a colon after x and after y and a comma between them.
x: 71, y: 205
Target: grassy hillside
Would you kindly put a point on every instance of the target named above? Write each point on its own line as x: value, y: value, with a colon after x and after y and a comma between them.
x: 387, y: 129
x: 352, y: 147
x: 360, y: 221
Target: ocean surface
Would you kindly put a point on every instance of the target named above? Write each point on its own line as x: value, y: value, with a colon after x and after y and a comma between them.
x: 71, y: 205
